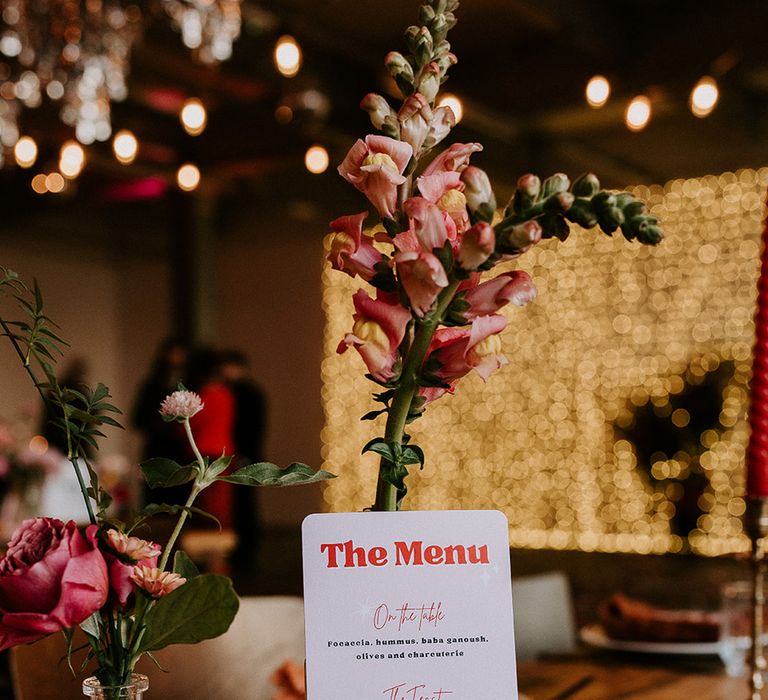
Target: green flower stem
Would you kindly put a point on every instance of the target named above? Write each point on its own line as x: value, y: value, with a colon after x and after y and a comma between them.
x: 196, y: 489
x: 386, y: 493
x: 25, y: 361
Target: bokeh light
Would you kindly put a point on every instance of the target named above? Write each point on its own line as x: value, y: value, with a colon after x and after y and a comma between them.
x: 287, y: 56
x: 125, y: 146
x: 25, y: 152
x: 448, y: 99
x: 71, y: 159
x: 638, y: 113
x: 704, y: 97
x: 316, y: 159
x: 194, y: 116
x: 598, y: 91
x: 188, y: 177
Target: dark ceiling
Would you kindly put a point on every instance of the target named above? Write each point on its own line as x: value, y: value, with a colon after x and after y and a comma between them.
x: 522, y: 69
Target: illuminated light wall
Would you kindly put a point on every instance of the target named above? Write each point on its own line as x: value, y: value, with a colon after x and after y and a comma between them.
x: 618, y: 337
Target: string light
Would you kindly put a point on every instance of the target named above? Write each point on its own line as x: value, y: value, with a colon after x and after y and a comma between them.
x: 125, y: 146
x: 638, y: 113
x: 448, y: 99
x: 25, y: 152
x: 54, y: 182
x: 615, y: 328
x: 188, y: 177
x: 287, y: 56
x: 194, y: 116
x: 71, y: 159
x: 316, y: 159
x: 38, y: 184
x: 598, y: 91
x: 704, y: 97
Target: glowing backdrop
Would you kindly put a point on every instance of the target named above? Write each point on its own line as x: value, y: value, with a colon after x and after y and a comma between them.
x: 620, y: 422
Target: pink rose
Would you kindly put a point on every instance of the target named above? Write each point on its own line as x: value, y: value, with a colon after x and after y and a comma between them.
x: 51, y: 578
x: 375, y: 166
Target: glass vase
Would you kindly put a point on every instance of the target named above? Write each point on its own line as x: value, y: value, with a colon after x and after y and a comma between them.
x: 134, y: 690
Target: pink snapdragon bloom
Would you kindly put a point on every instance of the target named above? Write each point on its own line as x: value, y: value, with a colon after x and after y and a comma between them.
x: 375, y: 167
x: 477, y: 245
x: 457, y: 351
x: 478, y: 190
x: 428, y: 225
x: 379, y: 328
x: 181, y: 405
x: 156, y: 582
x: 423, y: 277
x: 378, y: 108
x: 351, y: 251
x: 51, y: 578
x: 130, y: 549
x: 443, y: 120
x: 515, y: 287
x: 446, y: 191
x: 454, y: 158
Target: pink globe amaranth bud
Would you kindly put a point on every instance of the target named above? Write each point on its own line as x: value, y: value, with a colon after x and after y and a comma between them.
x: 477, y: 245
x: 477, y: 190
x: 181, y: 405
x: 378, y: 109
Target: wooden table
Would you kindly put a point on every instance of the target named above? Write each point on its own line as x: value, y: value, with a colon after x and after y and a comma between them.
x: 608, y: 677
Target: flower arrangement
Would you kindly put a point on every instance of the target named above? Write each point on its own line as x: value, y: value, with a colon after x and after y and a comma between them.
x: 433, y: 318
x: 124, y: 592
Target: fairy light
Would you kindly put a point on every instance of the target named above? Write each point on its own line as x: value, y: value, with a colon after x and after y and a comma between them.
x: 54, y: 182
x: 71, y: 159
x: 38, y: 184
x: 188, y: 177
x: 455, y: 104
x: 638, y: 113
x: 287, y: 56
x: 194, y: 116
x: 704, y: 97
x: 25, y: 152
x: 615, y: 327
x: 598, y: 91
x: 125, y: 146
x: 316, y: 159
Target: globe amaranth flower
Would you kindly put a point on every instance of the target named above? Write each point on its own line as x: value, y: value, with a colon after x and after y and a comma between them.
x: 379, y: 328
x: 375, y: 167
x: 156, y: 582
x: 180, y: 405
x: 350, y: 250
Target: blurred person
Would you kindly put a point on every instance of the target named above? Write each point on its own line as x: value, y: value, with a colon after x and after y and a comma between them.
x: 73, y: 377
x: 249, y: 433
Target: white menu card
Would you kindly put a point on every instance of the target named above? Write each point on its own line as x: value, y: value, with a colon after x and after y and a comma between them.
x: 408, y: 606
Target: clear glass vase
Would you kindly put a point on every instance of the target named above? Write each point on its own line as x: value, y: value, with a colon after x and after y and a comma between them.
x: 134, y: 690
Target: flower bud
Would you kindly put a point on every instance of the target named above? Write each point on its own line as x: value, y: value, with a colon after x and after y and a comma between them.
x: 650, y: 234
x: 477, y: 189
x: 422, y: 48
x: 581, y: 213
x: 378, y: 109
x: 415, y: 118
x: 400, y: 70
x: 555, y: 184
x: 477, y: 245
x: 586, y: 185
x: 554, y: 226
x: 519, y: 238
x: 443, y: 120
x: 634, y: 209
x: 526, y: 194
x: 610, y: 218
x: 559, y: 202
x: 429, y: 82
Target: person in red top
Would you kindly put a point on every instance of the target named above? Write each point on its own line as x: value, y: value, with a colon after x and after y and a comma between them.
x: 214, y: 430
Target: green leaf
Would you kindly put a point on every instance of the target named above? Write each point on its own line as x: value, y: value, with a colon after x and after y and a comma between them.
x: 380, y: 447
x: 91, y: 625
x: 165, y: 472
x: 219, y: 466
x: 413, y: 454
x: 184, y: 566
x: 268, y: 474
x: 202, y: 608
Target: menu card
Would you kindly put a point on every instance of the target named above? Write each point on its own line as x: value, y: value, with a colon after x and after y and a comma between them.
x: 408, y: 606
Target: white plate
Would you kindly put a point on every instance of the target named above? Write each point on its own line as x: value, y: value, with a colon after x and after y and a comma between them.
x: 595, y: 636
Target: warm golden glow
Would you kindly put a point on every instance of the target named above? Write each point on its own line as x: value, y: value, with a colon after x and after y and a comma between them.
x: 598, y: 91
x: 617, y: 329
x: 638, y: 113
x: 71, y: 159
x: 704, y: 97
x: 125, y: 146
x: 193, y: 117
x: 54, y: 183
x: 25, y: 152
x: 38, y: 444
x: 38, y: 184
x: 188, y: 177
x: 287, y: 56
x: 448, y: 99
x: 316, y: 159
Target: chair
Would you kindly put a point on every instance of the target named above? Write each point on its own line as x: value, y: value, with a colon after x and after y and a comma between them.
x: 236, y: 666
x: 543, y: 614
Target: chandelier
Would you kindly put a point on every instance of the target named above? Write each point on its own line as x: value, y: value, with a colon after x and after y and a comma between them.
x: 208, y: 27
